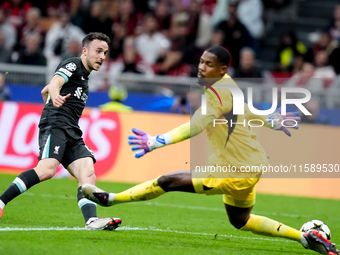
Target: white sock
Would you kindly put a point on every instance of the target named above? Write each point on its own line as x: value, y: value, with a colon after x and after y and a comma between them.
x: 112, y: 198
x: 2, y: 205
x: 304, y: 241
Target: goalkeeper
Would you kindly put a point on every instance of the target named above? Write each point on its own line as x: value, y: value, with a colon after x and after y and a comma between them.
x: 232, y: 145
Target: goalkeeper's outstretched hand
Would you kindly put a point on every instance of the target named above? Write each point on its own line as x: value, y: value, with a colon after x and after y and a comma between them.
x: 144, y: 142
x: 283, y: 122
x: 141, y: 142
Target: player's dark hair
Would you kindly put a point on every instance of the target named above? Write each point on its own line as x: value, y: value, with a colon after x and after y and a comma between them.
x: 95, y: 36
x: 221, y: 53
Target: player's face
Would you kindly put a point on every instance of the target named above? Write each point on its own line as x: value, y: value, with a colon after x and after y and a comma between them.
x: 95, y: 54
x: 209, y: 68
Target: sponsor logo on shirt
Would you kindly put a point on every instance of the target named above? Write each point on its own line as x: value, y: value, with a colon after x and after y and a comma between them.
x: 78, y: 92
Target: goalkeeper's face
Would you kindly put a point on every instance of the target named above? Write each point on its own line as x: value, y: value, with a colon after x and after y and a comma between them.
x: 209, y: 69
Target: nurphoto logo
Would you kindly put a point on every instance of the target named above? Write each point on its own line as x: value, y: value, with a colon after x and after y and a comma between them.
x: 238, y: 103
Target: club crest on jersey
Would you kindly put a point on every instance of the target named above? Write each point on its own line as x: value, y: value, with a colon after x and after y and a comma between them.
x: 71, y: 66
x: 56, y: 149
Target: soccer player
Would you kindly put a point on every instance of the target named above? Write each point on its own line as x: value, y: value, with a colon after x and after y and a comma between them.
x: 232, y: 146
x: 60, y: 138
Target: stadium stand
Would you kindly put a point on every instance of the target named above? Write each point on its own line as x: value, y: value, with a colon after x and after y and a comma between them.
x: 305, y: 18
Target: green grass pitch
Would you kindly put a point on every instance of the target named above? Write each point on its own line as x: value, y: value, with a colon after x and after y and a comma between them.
x: 46, y: 220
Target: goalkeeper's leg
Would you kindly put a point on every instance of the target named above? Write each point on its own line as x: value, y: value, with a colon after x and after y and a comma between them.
x: 177, y: 181
x: 241, y: 219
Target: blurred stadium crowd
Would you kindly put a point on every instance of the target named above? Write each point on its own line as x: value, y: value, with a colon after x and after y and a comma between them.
x: 167, y: 37
x: 163, y: 37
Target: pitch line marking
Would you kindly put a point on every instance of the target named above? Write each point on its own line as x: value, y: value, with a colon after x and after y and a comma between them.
x: 42, y: 229
x: 128, y: 228
x: 199, y: 233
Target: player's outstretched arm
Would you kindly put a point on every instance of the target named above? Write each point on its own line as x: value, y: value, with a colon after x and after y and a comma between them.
x: 144, y: 143
x: 277, y: 121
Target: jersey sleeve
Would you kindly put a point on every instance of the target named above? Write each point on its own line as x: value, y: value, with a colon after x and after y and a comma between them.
x: 66, y: 69
x: 215, y: 110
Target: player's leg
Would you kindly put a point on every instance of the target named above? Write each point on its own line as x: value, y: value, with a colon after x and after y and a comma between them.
x: 176, y: 181
x: 241, y: 219
x: 239, y: 201
x: 46, y: 168
x: 79, y: 160
x: 83, y: 170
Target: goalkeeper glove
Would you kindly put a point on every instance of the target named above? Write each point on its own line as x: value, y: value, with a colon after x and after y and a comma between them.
x: 145, y: 142
x: 277, y: 121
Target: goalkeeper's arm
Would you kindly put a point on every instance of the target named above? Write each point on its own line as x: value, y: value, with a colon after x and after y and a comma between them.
x: 146, y: 143
x: 275, y: 120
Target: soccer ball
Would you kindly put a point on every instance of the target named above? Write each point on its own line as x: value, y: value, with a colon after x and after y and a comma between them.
x: 317, y: 225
